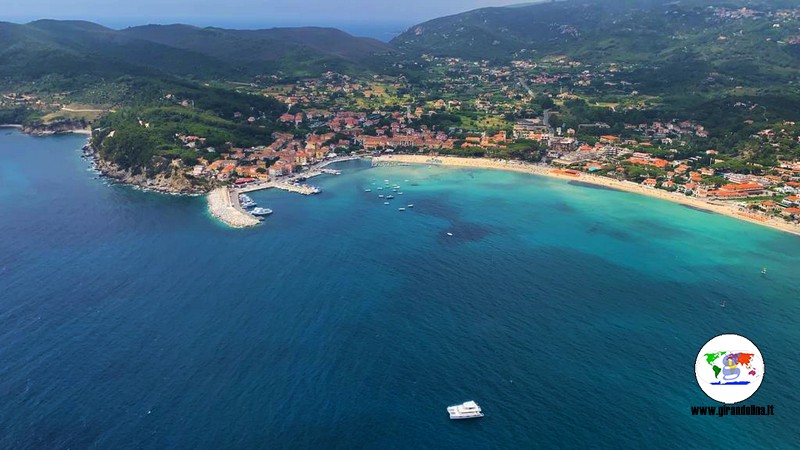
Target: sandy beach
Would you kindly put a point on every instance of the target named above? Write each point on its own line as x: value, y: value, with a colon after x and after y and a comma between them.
x: 718, y: 207
x: 221, y: 206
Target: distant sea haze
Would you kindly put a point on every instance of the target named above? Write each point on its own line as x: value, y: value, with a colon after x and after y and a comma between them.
x: 384, y: 31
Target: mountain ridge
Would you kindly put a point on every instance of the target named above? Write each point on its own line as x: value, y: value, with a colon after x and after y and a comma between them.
x: 68, y: 48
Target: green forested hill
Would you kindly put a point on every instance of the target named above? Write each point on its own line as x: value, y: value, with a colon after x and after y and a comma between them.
x: 77, y: 49
x: 152, y: 75
x: 668, y: 41
x: 83, y: 49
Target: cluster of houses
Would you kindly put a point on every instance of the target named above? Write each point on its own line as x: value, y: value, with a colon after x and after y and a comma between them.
x: 741, y: 13
x: 693, y: 176
x: 16, y: 99
x: 419, y: 139
x: 316, y: 91
x: 667, y: 130
x: 283, y: 157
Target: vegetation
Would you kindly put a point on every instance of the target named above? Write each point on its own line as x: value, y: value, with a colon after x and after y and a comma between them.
x: 156, y: 116
x: 18, y: 116
x: 643, y: 61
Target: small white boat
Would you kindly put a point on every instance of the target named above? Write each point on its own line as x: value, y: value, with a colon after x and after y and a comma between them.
x: 401, y: 209
x: 385, y: 203
x: 367, y: 190
x: 399, y: 193
x: 410, y: 205
x: 261, y: 211
x: 466, y: 410
x: 380, y: 196
x: 449, y: 234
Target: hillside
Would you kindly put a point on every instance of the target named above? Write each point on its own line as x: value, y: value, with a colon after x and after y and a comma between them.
x: 78, y: 50
x: 299, y: 51
x: 259, y: 45
x: 680, y: 41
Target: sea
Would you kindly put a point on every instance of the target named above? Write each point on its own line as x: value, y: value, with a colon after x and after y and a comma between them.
x: 573, y: 315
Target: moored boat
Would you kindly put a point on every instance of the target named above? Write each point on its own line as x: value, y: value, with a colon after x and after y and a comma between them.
x: 261, y: 211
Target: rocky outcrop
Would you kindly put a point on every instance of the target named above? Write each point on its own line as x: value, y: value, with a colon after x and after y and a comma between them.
x: 165, y: 176
x: 59, y: 127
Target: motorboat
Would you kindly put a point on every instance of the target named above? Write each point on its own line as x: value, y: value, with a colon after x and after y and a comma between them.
x: 466, y: 410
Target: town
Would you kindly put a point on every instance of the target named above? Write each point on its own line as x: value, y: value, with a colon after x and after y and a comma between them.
x: 551, y: 111
x: 386, y: 116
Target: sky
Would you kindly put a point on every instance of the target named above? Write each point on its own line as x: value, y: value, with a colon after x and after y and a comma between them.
x: 353, y: 14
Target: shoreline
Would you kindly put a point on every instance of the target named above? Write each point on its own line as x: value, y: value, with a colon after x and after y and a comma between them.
x: 29, y: 130
x: 581, y: 177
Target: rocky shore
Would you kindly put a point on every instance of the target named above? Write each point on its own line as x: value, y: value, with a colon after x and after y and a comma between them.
x: 172, y: 179
x: 60, y: 127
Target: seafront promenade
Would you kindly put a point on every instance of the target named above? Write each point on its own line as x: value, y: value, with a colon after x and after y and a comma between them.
x: 727, y: 209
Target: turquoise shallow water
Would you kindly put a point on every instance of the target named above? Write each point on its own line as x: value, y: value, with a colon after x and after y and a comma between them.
x: 573, y: 315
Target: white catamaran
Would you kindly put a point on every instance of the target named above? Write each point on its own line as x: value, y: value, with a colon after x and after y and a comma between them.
x: 466, y: 410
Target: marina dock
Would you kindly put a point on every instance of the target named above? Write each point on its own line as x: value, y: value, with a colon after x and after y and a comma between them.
x: 290, y: 184
x: 286, y: 186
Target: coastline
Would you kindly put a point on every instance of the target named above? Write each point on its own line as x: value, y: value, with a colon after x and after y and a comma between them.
x: 44, y: 130
x: 221, y: 206
x: 626, y: 186
x: 174, y: 184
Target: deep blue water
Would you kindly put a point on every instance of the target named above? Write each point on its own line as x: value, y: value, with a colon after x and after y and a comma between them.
x: 572, y: 315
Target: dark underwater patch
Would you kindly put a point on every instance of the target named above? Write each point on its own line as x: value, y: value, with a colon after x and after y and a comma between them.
x: 592, y: 186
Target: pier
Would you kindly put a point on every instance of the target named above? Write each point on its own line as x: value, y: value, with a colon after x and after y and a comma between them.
x: 304, y: 189
x: 290, y: 183
x: 223, y: 203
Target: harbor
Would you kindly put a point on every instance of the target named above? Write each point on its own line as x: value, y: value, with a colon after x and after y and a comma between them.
x: 293, y: 183
x: 226, y: 204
